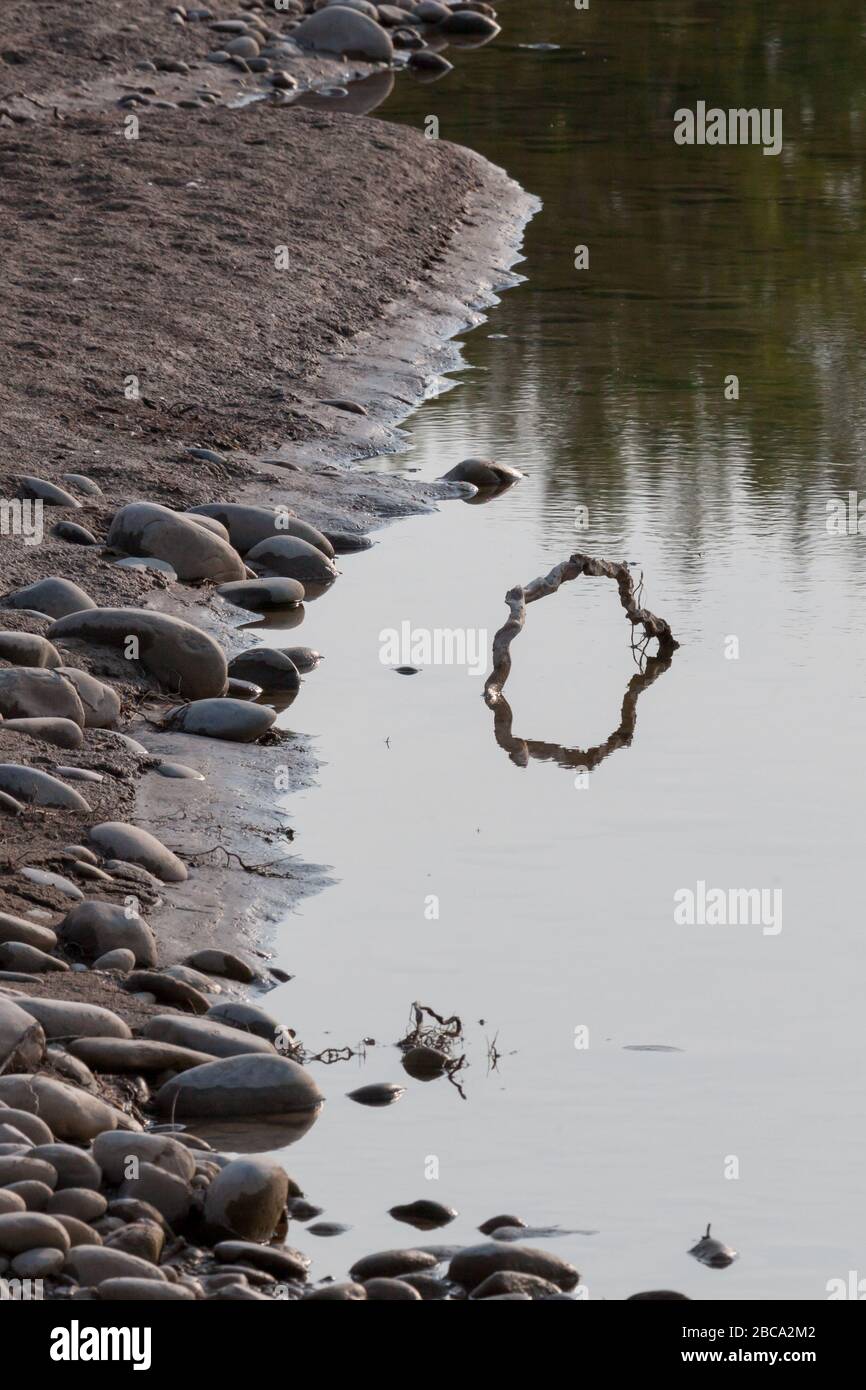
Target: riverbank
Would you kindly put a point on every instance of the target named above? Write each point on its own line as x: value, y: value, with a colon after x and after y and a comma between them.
x: 228, y: 308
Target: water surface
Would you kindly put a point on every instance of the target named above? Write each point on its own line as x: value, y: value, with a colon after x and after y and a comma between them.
x: 555, y: 899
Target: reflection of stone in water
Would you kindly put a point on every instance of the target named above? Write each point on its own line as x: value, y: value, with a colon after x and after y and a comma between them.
x: 276, y: 617
x: 358, y: 99
x: 256, y: 1136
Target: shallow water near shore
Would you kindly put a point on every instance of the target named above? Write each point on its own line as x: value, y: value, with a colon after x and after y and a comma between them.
x: 556, y: 901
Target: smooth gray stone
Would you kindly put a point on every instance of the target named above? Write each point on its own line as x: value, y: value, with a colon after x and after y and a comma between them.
x: 30, y: 1230
x: 167, y: 1192
x: 120, y: 840
x: 482, y: 473
x: 146, y: 562
x: 475, y: 1264
x: 261, y: 595
x: 181, y: 657
x: 74, y: 1167
x: 17, y: 955
x: 33, y: 693
x: 247, y: 1199
x: 79, y: 482
x: 291, y: 558
x: 179, y: 771
x: 73, y: 534
x: 36, y: 1130
x: 60, y: 733
x: 246, y: 525
x: 120, y: 959
x: 167, y: 990
x: 390, y: 1264
x: 236, y: 721
x: 14, y: 928
x: 93, y: 1264
x: 145, y: 528
x: 37, y: 788
x: 22, y: 1038
x: 9, y: 806
x: 49, y: 493
x: 39, y: 1263
x: 136, y: 1055
x: 193, y: 977
x: 46, y: 879
x: 28, y: 649
x: 97, y: 927
x: 204, y: 1035
x: 131, y: 1289
x: 347, y: 33
x: 267, y: 667
x: 215, y: 962
x: 101, y: 703
x: 248, y: 1018
x: 83, y: 1203
x: 79, y: 774
x: 112, y: 1150
x: 65, y: 1018
x: 241, y: 1087
x: 55, y: 597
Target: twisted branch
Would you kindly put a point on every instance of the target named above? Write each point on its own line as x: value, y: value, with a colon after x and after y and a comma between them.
x: 572, y: 568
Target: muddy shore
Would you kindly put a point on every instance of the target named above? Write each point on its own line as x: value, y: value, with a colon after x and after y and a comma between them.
x: 214, y: 285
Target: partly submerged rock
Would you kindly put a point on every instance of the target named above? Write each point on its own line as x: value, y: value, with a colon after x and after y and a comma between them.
x: 269, y: 668
x: 247, y: 1198
x: 237, y: 721
x: 243, y: 1086
x: 292, y: 558
x: 262, y: 595
x: 482, y: 473
x: 470, y: 1267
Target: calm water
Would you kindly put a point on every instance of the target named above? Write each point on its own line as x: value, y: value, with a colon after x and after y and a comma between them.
x: 556, y: 901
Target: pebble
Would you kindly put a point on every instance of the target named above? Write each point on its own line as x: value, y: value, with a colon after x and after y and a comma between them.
x: 79, y: 482
x: 60, y: 733
x: 45, y: 879
x: 424, y: 1215
x: 73, y: 534
x: 112, y: 1151
x: 378, y: 1093
x: 249, y: 1018
x: 16, y: 955
x: 84, y: 1203
x: 92, y: 1264
x: 470, y: 1267
x: 179, y: 771
x: 347, y: 34
x: 39, y: 489
x: 167, y: 990
x: 120, y: 959
x: 391, y: 1291
x: 39, y: 1263
x: 101, y: 702
x: 22, y: 1041
x: 270, y: 669
x: 204, y: 1035
x: 290, y: 557
x: 485, y: 474
x: 33, y: 693
x: 31, y: 933
x: 23, y: 1231
x: 139, y: 1055
x: 260, y: 595
x: 145, y: 528
x: 215, y: 962
x: 28, y: 649
x: 391, y: 1264
x: 67, y: 1018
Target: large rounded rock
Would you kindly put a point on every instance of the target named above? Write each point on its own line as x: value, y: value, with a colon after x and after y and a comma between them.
x: 35, y: 788
x: 100, y: 927
x: 100, y: 702
x: 31, y: 933
x: 22, y: 1038
x: 119, y: 840
x: 346, y: 32
x: 29, y: 1230
x: 167, y: 989
x: 181, y: 657
x: 30, y: 1126
x: 236, y: 1087
x: 267, y: 667
x: 113, y: 1153
x: 140, y: 1055
x: 82, y: 1203
x: 145, y: 528
x: 292, y: 558
x: 70, y: 1113
x: 236, y: 721
x: 28, y: 649
x: 66, y: 1018
x: 247, y: 1198
x: 203, y: 1035
x: 475, y: 1264
x: 391, y: 1264
x: 55, y: 596
x: 93, y: 1264
x: 32, y: 693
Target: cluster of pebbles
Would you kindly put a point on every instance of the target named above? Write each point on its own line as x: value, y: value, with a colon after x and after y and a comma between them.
x: 266, y: 42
